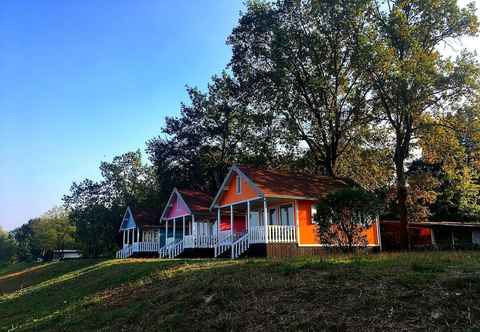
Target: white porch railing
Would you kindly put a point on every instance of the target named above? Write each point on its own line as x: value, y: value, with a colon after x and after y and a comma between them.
x: 223, y: 245
x: 175, y: 249
x: 163, y: 252
x: 148, y: 246
x: 202, y: 241
x: 240, y: 246
x: 125, y: 252
x: 257, y: 234
x: 275, y: 234
x: 222, y: 235
x: 281, y: 233
x: 129, y: 249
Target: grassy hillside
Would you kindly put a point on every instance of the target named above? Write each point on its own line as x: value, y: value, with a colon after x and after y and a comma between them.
x: 388, y: 291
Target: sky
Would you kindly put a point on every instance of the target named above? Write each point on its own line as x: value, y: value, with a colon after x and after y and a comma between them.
x: 83, y: 81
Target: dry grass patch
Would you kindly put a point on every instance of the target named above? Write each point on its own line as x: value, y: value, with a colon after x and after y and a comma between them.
x: 415, y: 291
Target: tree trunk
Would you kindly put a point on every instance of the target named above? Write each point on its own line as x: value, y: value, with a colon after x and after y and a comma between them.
x: 402, y: 204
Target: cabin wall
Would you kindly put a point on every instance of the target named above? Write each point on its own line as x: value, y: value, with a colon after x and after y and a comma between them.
x: 309, y: 231
x: 231, y: 196
x: 177, y: 209
x: 418, y: 236
x: 130, y: 223
x: 239, y: 223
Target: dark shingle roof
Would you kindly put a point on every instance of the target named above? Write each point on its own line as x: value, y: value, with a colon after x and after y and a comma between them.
x: 147, y: 217
x: 198, y: 201
x: 285, y: 183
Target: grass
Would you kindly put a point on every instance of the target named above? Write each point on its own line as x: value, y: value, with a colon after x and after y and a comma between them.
x: 409, y: 291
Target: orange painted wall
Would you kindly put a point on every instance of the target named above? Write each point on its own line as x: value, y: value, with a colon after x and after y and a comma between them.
x: 230, y: 196
x: 308, y: 230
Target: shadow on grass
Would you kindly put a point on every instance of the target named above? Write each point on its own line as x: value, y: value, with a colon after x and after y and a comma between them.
x: 342, y: 292
x: 38, y: 273
x: 315, y: 294
x: 69, y: 284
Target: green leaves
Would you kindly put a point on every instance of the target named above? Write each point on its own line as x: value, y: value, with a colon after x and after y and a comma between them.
x: 299, y: 60
x: 344, y: 215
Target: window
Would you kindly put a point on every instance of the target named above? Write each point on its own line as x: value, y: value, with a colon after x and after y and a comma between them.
x: 286, y: 215
x: 238, y: 184
x: 314, y: 214
x: 254, y: 219
x: 272, y: 220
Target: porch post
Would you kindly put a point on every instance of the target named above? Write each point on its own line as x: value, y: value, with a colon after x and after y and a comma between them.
x: 123, y: 238
x: 174, y: 223
x: 194, y: 227
x: 183, y: 225
x: 166, y: 231
x: 297, y: 223
x: 248, y: 216
x: 138, y: 234
x: 218, y: 224
x: 265, y: 218
x: 231, y: 220
x: 379, y: 235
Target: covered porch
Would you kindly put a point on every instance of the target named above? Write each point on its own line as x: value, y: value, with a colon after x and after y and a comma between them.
x: 136, y: 240
x: 140, y: 232
x: 257, y: 220
x: 194, y: 232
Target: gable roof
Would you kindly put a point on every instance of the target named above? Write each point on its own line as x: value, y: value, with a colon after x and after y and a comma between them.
x: 280, y: 183
x: 144, y: 218
x: 284, y: 183
x: 197, y: 202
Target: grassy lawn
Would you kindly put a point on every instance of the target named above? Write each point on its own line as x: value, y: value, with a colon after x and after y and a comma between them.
x: 385, y: 292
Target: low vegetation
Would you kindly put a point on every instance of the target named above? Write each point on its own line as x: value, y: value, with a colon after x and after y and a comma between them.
x: 385, y: 292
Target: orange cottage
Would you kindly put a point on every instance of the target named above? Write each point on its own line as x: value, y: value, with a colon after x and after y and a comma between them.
x: 275, y: 209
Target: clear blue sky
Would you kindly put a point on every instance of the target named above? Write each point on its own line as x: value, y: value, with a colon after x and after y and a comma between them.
x: 82, y: 81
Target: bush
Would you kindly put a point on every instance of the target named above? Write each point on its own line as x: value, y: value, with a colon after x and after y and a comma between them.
x: 343, y: 217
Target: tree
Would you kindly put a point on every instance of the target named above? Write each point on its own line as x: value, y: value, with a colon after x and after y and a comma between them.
x: 23, y: 237
x: 52, y: 231
x: 7, y: 247
x: 298, y: 61
x: 216, y: 129
x: 450, y: 146
x: 411, y: 77
x: 344, y: 215
x: 96, y: 207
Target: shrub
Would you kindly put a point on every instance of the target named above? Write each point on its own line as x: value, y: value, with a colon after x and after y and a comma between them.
x: 343, y: 217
